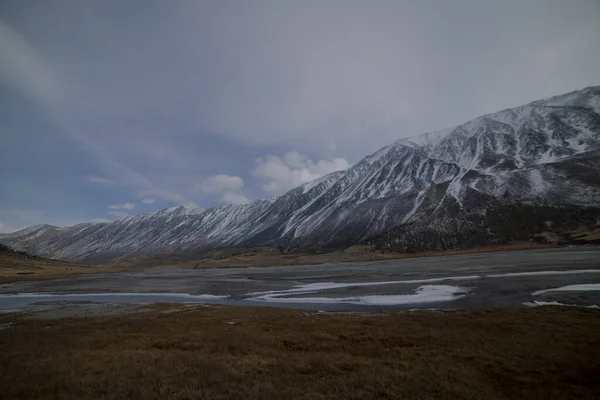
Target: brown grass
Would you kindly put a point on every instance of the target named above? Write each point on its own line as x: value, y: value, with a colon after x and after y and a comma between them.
x: 17, y: 267
x: 586, y: 234
x: 262, y: 353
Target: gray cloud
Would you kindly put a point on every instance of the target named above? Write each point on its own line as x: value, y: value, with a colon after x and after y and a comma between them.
x: 117, y: 214
x: 221, y: 183
x: 98, y: 179
x: 288, y: 71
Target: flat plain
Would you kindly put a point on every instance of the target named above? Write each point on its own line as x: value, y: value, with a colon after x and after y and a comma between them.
x: 222, y: 352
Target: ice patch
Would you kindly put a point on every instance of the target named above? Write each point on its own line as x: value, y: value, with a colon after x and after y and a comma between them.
x: 536, y: 303
x: 545, y: 273
x: 318, y: 286
x: 83, y: 295
x: 571, y: 288
x: 423, y: 294
x: 20, y: 300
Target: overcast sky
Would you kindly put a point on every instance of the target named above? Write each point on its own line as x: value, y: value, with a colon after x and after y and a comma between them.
x: 113, y: 107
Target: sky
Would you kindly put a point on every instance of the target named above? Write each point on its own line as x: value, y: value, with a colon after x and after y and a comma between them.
x: 111, y: 108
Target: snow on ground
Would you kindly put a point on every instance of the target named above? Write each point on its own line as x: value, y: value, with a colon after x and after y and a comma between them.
x: 181, y: 297
x: 20, y: 301
x: 423, y: 294
x: 545, y: 273
x: 537, y: 182
x: 319, y: 286
x: 537, y: 303
x: 571, y: 288
x: 42, y: 294
x: 428, y: 290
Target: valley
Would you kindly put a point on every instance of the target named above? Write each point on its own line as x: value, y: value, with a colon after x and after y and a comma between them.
x: 300, y: 200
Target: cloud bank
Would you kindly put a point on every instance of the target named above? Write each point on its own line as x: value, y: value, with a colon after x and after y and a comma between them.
x: 230, y: 188
x: 280, y: 174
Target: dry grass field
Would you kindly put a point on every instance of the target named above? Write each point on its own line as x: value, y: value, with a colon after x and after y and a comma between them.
x: 586, y: 234
x: 17, y: 267
x: 267, y: 353
x: 269, y: 257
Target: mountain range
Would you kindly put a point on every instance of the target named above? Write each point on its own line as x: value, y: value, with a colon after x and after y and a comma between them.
x: 433, y: 191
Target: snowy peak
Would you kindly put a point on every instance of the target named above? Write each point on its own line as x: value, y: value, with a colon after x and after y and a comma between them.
x: 521, y: 137
x: 428, y: 140
x: 539, y: 132
x: 586, y: 98
x: 181, y: 210
x: 29, y: 238
x: 37, y: 231
x: 326, y: 180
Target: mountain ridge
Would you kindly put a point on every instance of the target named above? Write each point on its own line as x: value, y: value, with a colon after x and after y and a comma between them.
x: 546, y: 152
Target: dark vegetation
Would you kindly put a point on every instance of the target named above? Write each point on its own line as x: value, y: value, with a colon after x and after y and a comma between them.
x: 507, y: 223
x: 7, y: 249
x: 266, y: 353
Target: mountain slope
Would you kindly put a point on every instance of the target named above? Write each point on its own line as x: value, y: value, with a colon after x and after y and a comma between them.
x: 545, y: 153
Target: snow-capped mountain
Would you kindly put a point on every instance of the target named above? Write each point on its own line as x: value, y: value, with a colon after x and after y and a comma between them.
x: 546, y: 152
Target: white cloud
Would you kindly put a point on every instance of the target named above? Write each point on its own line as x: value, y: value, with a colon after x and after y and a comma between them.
x: 293, y: 169
x: 118, y: 214
x: 163, y: 194
x: 99, y: 220
x: 228, y: 187
x: 148, y: 201
x: 124, y: 206
x: 234, y: 198
x: 5, y: 228
x: 98, y: 179
x: 221, y: 183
